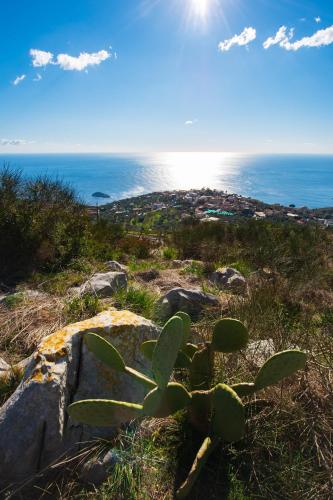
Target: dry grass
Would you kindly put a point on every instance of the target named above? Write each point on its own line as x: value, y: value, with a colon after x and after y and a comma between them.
x: 23, y: 326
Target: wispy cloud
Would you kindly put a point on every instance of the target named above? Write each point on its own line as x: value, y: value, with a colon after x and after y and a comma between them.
x: 19, y: 79
x: 12, y: 142
x: 248, y: 35
x: 319, y: 39
x: 189, y: 123
x: 40, y: 58
x: 317, y: 19
x: 38, y: 78
x: 70, y: 63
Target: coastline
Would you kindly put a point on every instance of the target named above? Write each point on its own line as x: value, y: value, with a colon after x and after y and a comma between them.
x: 209, y: 205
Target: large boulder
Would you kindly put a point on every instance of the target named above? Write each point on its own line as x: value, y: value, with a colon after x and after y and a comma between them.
x: 35, y: 429
x: 105, y: 284
x: 190, y: 301
x: 228, y: 278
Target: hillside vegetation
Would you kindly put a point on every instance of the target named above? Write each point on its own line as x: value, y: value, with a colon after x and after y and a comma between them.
x: 49, y: 244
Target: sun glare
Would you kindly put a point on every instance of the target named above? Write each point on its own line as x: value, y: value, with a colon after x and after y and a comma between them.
x: 200, y: 7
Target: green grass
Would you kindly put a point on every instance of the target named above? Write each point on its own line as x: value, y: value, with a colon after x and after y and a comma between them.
x: 169, y: 253
x: 138, y: 299
x: 195, y: 268
x: 11, y: 301
x: 79, y: 308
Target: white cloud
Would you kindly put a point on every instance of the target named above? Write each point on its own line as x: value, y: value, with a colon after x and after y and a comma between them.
x: 318, y: 39
x: 283, y: 39
x: 70, y: 63
x: 248, y: 35
x: 40, y: 57
x: 191, y: 122
x: 280, y: 36
x: 19, y: 79
x: 12, y: 142
x: 317, y: 19
x: 38, y: 78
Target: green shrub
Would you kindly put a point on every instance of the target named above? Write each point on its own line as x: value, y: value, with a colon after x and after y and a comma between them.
x: 79, y: 308
x: 169, y: 253
x: 42, y: 224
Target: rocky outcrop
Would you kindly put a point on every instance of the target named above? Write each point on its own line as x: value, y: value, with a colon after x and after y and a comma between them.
x: 35, y: 429
x: 227, y: 278
x: 105, y: 284
x: 190, y: 301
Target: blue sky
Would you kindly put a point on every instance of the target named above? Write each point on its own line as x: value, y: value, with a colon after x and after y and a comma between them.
x: 166, y: 75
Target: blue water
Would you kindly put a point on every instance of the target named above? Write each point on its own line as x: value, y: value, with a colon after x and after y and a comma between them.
x: 302, y: 180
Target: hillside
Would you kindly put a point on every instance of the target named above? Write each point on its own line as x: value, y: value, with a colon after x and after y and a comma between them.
x: 280, y: 287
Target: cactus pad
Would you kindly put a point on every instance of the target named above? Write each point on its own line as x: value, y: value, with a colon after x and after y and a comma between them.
x: 190, y: 350
x: 103, y: 412
x: 201, y: 370
x: 161, y: 403
x: 207, y: 447
x: 166, y: 351
x: 186, y: 326
x: 229, y: 335
x: 244, y: 389
x: 147, y: 348
x: 228, y: 421
x: 104, y: 351
x: 279, y: 366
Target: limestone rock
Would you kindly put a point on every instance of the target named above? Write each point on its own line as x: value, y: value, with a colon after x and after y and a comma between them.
x: 227, y: 278
x: 105, y: 284
x: 259, y: 351
x: 113, y: 265
x: 35, y: 429
x: 190, y: 301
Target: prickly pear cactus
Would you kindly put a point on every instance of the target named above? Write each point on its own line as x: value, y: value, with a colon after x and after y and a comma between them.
x: 278, y: 367
x: 215, y: 411
x: 166, y: 351
x: 229, y: 335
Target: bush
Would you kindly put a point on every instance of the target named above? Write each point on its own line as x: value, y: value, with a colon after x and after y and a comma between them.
x: 293, y: 250
x: 42, y: 224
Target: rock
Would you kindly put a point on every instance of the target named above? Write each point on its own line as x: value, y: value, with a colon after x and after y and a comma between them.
x: 98, y: 469
x: 11, y: 299
x: 22, y: 365
x: 259, y: 351
x: 149, y: 275
x: 4, y: 367
x: 190, y: 301
x: 105, y: 284
x: 228, y: 278
x: 35, y: 429
x: 113, y: 265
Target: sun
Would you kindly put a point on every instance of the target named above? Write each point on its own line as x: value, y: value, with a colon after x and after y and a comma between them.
x: 200, y: 7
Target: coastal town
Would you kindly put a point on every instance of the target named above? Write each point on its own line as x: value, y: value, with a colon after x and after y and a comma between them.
x: 163, y: 209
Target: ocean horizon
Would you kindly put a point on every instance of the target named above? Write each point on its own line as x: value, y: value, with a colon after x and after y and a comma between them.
x: 302, y: 180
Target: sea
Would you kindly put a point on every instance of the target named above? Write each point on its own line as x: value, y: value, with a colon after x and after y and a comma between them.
x: 302, y: 180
